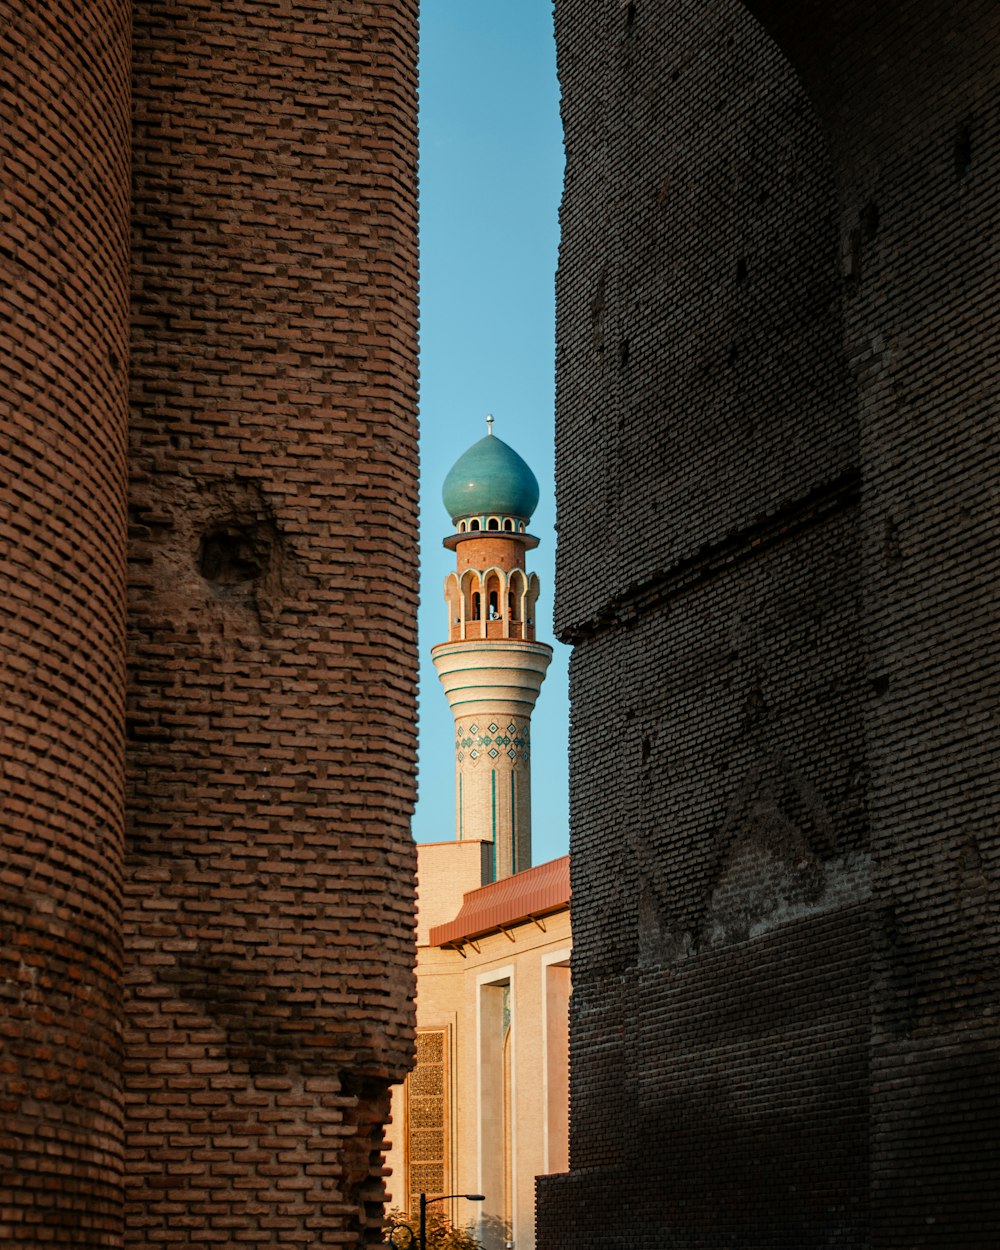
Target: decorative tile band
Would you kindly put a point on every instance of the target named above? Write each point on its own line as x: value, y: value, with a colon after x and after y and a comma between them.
x: 476, y: 742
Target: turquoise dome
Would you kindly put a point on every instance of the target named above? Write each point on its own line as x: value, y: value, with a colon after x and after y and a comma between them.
x: 490, y: 478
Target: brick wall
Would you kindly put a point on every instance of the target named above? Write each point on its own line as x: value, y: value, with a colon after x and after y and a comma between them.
x: 776, y: 363
x: 64, y: 114
x: 269, y: 882
x: 738, y: 1090
x: 263, y: 999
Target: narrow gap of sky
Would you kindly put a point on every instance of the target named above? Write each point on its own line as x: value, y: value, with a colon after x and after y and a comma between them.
x: 491, y: 168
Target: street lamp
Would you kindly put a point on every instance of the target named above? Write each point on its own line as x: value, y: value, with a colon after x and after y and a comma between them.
x: 391, y: 1238
x: 425, y: 1202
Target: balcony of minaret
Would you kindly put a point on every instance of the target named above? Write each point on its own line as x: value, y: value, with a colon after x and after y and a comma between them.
x: 493, y: 603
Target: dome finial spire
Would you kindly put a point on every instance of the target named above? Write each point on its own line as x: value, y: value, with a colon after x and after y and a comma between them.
x: 490, y: 479
x: 489, y: 423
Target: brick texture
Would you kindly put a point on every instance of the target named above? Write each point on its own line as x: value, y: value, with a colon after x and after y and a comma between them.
x: 207, y: 680
x: 777, y: 368
x: 271, y: 753
x: 64, y: 157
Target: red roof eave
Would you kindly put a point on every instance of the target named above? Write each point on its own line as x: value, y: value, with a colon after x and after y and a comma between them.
x: 502, y: 904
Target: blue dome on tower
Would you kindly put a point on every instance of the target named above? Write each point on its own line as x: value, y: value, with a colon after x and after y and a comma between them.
x: 490, y: 478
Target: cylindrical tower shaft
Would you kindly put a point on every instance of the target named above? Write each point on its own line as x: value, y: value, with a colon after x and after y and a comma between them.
x: 269, y: 906
x: 492, y: 688
x: 64, y: 283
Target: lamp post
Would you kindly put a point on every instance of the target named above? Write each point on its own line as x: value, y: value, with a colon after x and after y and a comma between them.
x: 391, y: 1238
x: 425, y: 1202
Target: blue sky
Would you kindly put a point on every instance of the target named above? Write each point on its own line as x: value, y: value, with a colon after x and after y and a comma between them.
x: 490, y: 174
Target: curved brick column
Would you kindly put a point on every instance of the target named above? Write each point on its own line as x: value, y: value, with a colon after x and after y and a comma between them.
x: 64, y: 148
x: 269, y: 905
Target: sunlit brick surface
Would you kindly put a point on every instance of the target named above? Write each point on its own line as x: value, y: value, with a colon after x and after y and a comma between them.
x: 64, y: 115
x: 272, y: 632
x: 227, y: 1083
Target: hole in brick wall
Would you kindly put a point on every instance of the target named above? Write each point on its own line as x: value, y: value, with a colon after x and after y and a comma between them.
x: 869, y: 222
x: 734, y: 354
x: 880, y: 685
x: 137, y: 527
x: 231, y: 556
x: 629, y: 14
x: 963, y: 149
x: 232, y: 540
x: 755, y: 705
x: 741, y: 270
x: 623, y: 352
x: 970, y: 858
x: 647, y: 747
x: 113, y: 360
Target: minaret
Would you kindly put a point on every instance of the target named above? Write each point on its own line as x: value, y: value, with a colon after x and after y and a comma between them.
x: 491, y: 667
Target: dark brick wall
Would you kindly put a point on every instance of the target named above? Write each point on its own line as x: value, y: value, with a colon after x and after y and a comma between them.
x: 720, y: 726
x: 211, y: 1068
x: 738, y: 1090
x: 269, y: 874
x: 777, y: 377
x: 699, y: 343
x: 64, y: 157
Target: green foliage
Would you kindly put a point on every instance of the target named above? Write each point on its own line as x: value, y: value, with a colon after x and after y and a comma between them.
x: 441, y: 1233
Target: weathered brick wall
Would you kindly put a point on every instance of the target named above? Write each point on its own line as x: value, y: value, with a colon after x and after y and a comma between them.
x: 737, y: 1099
x: 698, y: 387
x: 271, y: 688
x: 918, y: 159
x: 272, y: 657
x: 777, y: 378
x: 64, y: 161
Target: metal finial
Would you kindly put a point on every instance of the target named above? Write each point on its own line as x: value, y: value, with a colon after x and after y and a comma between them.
x: 489, y: 423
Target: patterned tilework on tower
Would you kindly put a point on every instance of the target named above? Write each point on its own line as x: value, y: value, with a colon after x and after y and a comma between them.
x: 491, y: 666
